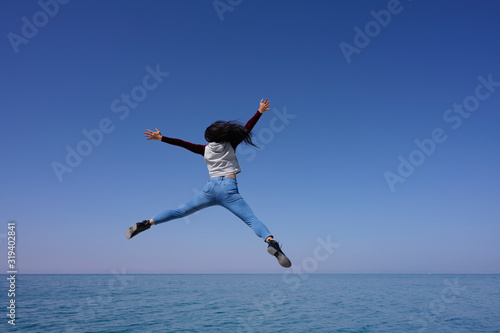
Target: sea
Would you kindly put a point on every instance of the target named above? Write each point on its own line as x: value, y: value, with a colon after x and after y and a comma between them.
x: 290, y: 302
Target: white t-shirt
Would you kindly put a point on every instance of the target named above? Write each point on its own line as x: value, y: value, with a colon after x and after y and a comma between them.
x: 221, y: 159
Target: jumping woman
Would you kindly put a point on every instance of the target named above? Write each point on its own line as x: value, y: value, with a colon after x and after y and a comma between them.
x: 222, y: 189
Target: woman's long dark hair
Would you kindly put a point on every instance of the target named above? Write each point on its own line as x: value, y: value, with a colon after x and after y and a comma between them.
x: 228, y: 131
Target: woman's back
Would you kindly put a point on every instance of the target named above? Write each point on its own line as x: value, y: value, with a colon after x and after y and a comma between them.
x: 221, y: 159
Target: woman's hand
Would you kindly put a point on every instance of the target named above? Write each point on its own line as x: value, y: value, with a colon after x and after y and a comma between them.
x: 153, y: 135
x: 264, y: 105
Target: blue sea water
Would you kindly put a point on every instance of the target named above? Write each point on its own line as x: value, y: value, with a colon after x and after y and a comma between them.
x: 254, y: 303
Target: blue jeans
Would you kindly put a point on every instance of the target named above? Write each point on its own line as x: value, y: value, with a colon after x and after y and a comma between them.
x: 222, y: 191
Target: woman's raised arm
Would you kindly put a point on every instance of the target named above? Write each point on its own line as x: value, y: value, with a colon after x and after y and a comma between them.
x: 197, y: 149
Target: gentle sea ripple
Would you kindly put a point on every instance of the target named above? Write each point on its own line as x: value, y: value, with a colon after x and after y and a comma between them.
x: 255, y: 303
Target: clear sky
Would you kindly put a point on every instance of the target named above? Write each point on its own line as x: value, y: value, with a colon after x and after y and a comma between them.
x: 382, y: 139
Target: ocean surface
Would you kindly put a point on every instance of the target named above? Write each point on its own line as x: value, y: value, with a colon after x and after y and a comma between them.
x: 253, y: 303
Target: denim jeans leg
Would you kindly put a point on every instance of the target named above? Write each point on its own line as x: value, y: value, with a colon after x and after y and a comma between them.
x: 234, y: 202
x: 201, y: 200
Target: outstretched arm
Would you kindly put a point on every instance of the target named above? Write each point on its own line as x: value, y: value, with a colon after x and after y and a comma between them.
x: 197, y: 149
x: 264, y: 106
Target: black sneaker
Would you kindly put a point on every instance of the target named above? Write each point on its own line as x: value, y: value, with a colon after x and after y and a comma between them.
x: 274, y: 249
x: 137, y: 228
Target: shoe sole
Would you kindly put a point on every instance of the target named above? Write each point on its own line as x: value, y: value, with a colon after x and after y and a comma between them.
x: 130, y: 231
x: 282, y: 258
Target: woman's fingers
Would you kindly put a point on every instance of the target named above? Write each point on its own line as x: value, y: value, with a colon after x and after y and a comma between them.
x: 151, y: 132
x: 148, y: 134
x: 151, y: 135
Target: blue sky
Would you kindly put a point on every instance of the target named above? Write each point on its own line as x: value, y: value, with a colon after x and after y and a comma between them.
x: 338, y: 158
